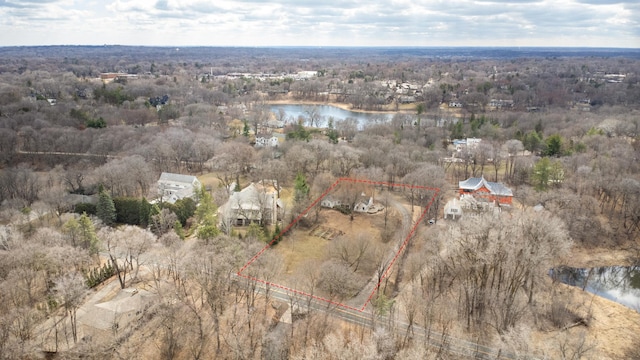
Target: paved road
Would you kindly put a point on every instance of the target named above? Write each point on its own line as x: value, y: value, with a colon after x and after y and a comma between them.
x: 66, y: 154
x: 438, y: 341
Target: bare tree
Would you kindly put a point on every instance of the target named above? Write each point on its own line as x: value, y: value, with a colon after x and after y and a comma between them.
x: 513, y: 147
x: 427, y: 178
x: 344, y: 160
x: 162, y: 222
x: 352, y: 252
x: 129, y: 176
x: 499, y: 262
x: 313, y: 115
x: 482, y: 154
x: 20, y: 184
x: 70, y: 289
x: 126, y: 247
x: 338, y: 280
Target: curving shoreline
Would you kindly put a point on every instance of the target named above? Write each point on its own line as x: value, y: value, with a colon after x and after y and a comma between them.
x: 342, y: 106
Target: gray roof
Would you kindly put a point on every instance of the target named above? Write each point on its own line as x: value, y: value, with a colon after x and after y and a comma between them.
x: 187, y: 179
x: 246, y: 199
x: 494, y: 187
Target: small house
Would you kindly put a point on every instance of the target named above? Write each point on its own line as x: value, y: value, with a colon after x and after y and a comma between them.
x: 330, y: 202
x: 363, y: 206
x: 453, y: 209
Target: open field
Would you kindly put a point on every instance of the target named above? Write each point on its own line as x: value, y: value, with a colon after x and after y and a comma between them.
x: 303, y: 244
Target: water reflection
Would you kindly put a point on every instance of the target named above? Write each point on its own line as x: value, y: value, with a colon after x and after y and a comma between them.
x: 618, y: 283
x: 324, y: 113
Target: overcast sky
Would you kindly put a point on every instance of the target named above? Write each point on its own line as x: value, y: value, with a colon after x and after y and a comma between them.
x: 589, y: 23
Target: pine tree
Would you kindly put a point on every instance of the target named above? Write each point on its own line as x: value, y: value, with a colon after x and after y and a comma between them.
x: 177, y: 227
x: 88, y: 234
x: 206, y: 214
x: 106, y: 209
x: 301, y: 188
x: 245, y: 129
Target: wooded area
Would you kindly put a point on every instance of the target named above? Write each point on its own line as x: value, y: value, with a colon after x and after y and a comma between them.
x: 80, y: 156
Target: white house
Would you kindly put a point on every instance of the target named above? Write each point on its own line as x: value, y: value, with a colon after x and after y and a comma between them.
x: 330, y: 202
x: 173, y: 187
x: 303, y: 75
x: 363, y: 206
x: 272, y: 142
x: 453, y: 209
x: 469, y: 143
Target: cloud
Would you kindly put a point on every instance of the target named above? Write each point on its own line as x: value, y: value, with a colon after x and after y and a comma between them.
x: 331, y: 22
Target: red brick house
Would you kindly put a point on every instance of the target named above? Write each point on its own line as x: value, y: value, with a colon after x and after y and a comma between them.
x: 482, y: 189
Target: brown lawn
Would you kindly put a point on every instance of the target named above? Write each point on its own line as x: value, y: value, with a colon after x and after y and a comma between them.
x: 303, y: 245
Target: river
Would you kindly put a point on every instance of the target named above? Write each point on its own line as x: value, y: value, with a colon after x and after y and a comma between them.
x: 618, y: 283
x: 326, y: 112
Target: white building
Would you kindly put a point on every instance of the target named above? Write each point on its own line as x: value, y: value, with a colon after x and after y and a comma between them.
x: 173, y: 187
x: 453, y: 209
x: 263, y: 142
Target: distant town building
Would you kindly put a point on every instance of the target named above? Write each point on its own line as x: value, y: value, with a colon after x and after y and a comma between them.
x: 110, y: 77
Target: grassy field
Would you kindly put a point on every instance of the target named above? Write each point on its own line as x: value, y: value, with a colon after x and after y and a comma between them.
x: 300, y: 247
x: 209, y: 180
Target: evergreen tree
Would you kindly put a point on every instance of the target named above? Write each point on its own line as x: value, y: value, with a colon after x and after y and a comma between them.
x: 276, y: 232
x: 206, y: 214
x: 532, y: 141
x: 88, y: 236
x: 554, y: 145
x: 245, y: 129
x: 547, y: 173
x: 301, y: 188
x: 541, y: 172
x: 457, y: 131
x: 256, y: 231
x: 106, y: 209
x: 177, y: 227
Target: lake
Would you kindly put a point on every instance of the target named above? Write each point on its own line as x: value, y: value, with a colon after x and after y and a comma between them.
x: 618, y: 283
x: 326, y: 112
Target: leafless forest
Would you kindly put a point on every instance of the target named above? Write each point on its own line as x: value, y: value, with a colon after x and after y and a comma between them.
x: 81, y: 127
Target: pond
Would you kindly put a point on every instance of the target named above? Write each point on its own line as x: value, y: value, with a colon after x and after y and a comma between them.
x: 618, y: 283
x: 325, y: 112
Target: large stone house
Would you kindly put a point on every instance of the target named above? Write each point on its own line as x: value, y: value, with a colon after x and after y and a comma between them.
x: 173, y: 187
x: 482, y: 189
x: 254, y: 204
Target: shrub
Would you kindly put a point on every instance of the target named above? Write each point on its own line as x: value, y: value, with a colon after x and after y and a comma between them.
x: 132, y: 211
x: 88, y: 208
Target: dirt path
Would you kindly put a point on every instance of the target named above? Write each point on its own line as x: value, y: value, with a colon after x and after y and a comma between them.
x: 401, y: 235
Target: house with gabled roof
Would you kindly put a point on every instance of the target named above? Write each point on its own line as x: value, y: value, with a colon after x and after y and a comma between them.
x: 173, y: 187
x: 453, y: 209
x: 256, y: 203
x: 489, y: 191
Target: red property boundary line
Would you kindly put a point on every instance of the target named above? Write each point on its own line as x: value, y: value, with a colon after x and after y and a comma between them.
x: 314, y: 203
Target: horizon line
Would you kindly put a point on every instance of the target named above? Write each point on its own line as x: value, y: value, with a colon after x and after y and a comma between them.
x: 331, y: 46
